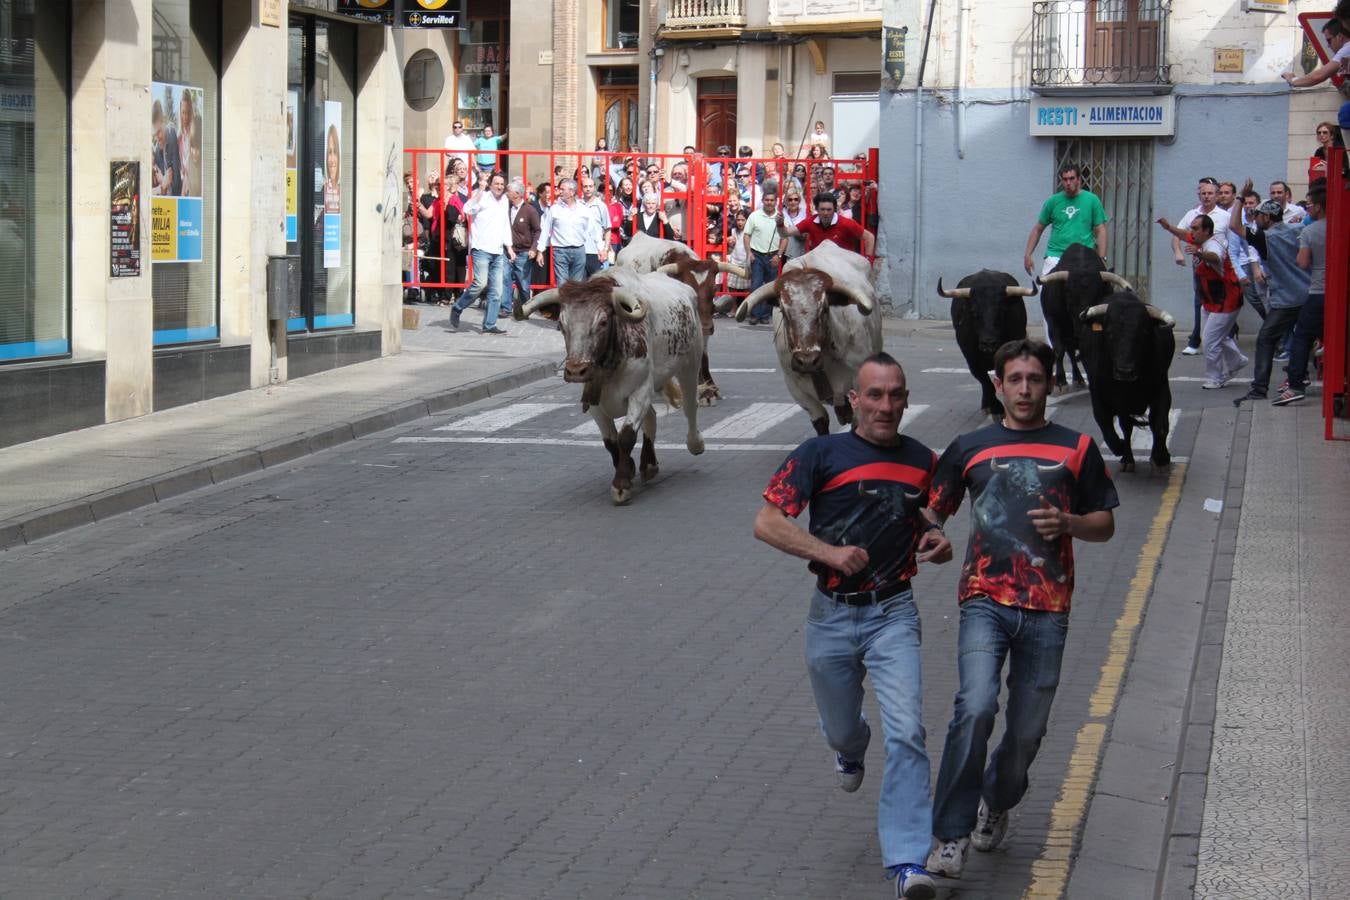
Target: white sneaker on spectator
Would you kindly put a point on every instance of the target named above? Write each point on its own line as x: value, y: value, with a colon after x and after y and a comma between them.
x: 1190, y: 351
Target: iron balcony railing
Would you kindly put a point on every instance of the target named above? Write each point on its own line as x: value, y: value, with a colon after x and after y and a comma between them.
x: 1091, y: 43
x: 689, y: 14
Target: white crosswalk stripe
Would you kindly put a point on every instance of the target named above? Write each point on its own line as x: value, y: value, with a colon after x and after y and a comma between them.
x: 590, y: 429
x: 502, y: 417
x: 575, y: 442
x: 1142, y: 438
x: 752, y: 421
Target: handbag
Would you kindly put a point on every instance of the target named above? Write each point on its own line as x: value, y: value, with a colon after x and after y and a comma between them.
x: 459, y: 237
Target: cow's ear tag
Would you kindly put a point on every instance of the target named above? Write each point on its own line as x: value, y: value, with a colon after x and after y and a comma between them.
x: 1096, y: 326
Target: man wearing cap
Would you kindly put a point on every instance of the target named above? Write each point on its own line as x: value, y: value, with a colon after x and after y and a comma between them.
x: 1288, y: 286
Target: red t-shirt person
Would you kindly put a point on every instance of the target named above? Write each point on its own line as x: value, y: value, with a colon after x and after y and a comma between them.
x: 844, y: 232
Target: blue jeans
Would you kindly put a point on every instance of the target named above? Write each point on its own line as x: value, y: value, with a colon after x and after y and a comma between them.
x: 487, y: 272
x: 522, y: 270
x: 1033, y: 642
x: 762, y: 271
x: 1307, y: 329
x: 843, y: 643
x: 569, y: 264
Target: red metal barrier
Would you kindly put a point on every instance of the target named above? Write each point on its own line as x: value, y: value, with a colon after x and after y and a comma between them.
x: 707, y: 186
x: 1336, y: 323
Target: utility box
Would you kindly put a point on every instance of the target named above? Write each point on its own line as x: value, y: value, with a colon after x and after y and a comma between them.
x: 283, y: 286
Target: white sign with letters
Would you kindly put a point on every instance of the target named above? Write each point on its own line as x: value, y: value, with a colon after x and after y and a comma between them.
x: 1104, y: 116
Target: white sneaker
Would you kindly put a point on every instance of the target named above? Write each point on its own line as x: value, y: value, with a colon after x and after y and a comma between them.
x: 1190, y: 351
x: 948, y: 858
x: 849, y: 773
x: 1211, y: 385
x: 990, y: 829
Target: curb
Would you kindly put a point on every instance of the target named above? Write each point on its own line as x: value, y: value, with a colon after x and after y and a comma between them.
x: 38, y: 524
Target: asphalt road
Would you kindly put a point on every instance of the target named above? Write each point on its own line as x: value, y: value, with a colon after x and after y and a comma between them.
x: 438, y: 662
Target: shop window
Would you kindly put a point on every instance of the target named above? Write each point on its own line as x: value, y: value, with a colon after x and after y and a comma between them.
x: 34, y: 178
x: 866, y: 83
x: 321, y: 170
x: 184, y: 128
x: 482, y: 62
x: 621, y: 25
x: 423, y: 80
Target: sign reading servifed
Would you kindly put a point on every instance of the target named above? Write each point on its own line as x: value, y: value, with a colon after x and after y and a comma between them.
x: 1103, y: 116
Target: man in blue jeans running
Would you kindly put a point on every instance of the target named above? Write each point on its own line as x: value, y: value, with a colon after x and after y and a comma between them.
x: 866, y: 488
x: 1034, y: 487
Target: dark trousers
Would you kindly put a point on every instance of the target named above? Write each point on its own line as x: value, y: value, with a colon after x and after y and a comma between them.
x: 1306, y: 330
x: 762, y: 271
x: 1277, y: 324
x: 1194, y: 339
x: 592, y: 264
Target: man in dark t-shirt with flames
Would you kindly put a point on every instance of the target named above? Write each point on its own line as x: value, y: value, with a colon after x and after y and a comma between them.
x: 866, y: 488
x: 1034, y: 487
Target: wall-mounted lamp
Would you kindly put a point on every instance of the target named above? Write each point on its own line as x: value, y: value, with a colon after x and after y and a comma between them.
x: 683, y: 59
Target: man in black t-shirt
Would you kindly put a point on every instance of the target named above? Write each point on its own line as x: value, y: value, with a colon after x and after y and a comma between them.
x: 1034, y: 487
x: 866, y: 489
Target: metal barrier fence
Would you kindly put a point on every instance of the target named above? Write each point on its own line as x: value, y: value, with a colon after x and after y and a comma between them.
x: 1335, y: 322
x: 690, y: 207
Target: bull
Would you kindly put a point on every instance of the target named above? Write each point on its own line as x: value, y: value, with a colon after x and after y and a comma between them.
x: 645, y: 253
x: 824, y: 327
x: 1127, y: 349
x: 626, y: 336
x: 987, y: 312
x: 1000, y: 514
x: 1077, y: 281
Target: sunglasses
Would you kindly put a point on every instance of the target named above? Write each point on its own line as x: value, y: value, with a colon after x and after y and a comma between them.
x: 1213, y: 181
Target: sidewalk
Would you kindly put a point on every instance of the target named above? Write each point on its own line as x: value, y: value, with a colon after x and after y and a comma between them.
x: 71, y: 479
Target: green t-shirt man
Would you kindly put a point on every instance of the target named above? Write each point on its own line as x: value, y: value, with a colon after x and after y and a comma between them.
x: 1071, y: 215
x: 1071, y: 220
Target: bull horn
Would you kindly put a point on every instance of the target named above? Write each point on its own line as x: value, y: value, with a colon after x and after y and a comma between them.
x: 732, y: 269
x: 1093, y: 312
x: 627, y: 306
x: 954, y: 293
x: 994, y: 464
x: 1016, y: 290
x: 857, y: 298
x: 1049, y: 468
x: 1061, y: 275
x: 547, y: 298
x: 1113, y: 278
x: 1163, y: 317
x: 668, y: 269
x: 763, y: 292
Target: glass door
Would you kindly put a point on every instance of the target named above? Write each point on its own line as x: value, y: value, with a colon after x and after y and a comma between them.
x: 320, y: 170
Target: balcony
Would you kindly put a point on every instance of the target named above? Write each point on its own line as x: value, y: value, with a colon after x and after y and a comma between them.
x: 1108, y: 46
x: 688, y: 18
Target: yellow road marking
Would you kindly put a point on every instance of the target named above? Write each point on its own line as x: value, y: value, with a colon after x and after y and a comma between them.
x: 1050, y: 872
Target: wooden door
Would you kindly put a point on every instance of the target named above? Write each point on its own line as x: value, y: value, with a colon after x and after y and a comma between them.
x: 617, y: 122
x: 716, y: 123
x: 1122, y: 42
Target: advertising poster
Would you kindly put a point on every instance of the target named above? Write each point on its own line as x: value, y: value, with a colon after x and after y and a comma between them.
x: 292, y: 205
x: 332, y: 187
x: 177, y: 139
x: 125, y: 204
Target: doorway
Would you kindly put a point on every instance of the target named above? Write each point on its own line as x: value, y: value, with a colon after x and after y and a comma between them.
x: 320, y: 162
x: 616, y: 103
x: 716, y: 115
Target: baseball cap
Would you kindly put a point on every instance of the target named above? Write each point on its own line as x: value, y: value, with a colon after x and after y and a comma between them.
x: 1270, y: 208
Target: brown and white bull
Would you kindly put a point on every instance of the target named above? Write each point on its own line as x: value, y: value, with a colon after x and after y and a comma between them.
x: 823, y: 327
x: 645, y: 253
x: 627, y: 335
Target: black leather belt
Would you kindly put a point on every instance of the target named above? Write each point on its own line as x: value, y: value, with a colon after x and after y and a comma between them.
x: 867, y: 598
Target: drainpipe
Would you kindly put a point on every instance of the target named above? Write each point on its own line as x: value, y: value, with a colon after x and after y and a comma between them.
x: 962, y: 25
x: 655, y: 67
x: 918, y: 159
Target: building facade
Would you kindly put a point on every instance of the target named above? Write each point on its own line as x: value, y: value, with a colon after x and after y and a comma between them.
x: 1147, y: 96
x: 155, y: 155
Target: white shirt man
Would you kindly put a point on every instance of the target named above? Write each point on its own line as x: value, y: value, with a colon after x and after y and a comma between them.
x: 489, y: 250
x: 458, y: 139
x: 596, y: 241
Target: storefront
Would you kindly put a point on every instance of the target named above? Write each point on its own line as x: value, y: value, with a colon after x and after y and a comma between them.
x: 141, y: 202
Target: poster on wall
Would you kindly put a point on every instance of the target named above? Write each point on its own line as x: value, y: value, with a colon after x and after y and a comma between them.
x: 125, y: 205
x: 332, y: 187
x: 176, y: 177
x: 292, y: 205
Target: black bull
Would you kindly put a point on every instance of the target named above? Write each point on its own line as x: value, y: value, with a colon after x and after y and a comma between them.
x: 1127, y: 348
x: 987, y: 312
x: 1079, y: 280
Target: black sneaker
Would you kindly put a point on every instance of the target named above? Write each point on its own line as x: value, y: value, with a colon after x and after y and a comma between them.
x: 454, y: 317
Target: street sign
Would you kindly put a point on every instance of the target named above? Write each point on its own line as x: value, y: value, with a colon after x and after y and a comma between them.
x: 408, y: 13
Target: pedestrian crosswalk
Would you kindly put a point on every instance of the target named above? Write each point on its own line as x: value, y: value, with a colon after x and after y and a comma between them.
x: 555, y: 424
